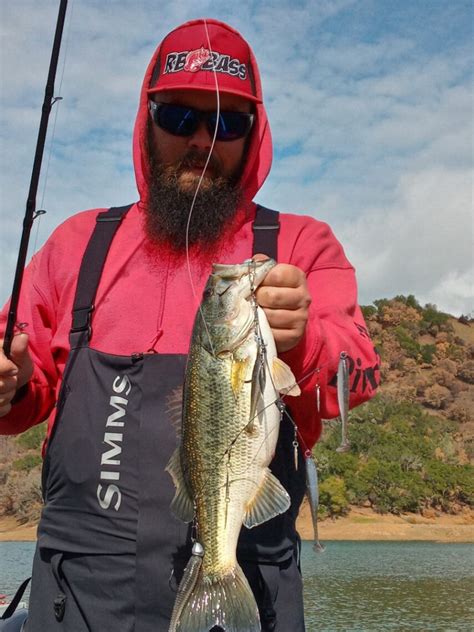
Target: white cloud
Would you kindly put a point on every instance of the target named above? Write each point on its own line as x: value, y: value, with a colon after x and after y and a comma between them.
x: 422, y: 244
x: 455, y: 291
x: 371, y: 124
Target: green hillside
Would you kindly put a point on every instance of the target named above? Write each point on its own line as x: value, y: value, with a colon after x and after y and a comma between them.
x: 412, y: 446
x: 402, y: 459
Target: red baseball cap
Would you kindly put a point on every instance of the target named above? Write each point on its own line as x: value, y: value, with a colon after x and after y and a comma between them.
x: 197, y: 53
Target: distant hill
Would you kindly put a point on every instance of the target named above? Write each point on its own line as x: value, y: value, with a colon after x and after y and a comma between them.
x: 412, y: 446
x: 427, y: 357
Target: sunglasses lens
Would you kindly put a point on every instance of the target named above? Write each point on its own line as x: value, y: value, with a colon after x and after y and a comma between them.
x: 232, y: 125
x: 183, y: 121
x: 175, y: 119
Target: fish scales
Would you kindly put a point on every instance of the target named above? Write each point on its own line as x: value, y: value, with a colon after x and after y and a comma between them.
x: 229, y: 432
x: 224, y: 473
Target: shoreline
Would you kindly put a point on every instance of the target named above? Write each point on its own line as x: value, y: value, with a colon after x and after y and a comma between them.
x: 365, y: 524
x: 360, y: 524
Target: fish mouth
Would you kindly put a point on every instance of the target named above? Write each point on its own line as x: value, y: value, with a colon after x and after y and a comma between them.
x: 228, y: 293
x: 237, y: 269
x: 230, y: 272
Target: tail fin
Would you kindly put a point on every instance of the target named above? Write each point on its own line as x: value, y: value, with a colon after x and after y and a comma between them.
x: 226, y: 601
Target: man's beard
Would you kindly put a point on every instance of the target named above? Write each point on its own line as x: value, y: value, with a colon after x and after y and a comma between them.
x: 171, y: 197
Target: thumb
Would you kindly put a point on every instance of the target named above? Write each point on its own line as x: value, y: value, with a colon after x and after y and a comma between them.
x: 20, y: 356
x: 19, y: 348
x: 260, y: 257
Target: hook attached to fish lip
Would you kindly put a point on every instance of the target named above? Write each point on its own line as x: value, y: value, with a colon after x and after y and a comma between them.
x: 343, y: 399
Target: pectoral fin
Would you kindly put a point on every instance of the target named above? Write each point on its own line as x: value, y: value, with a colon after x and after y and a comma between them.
x: 239, y: 372
x: 283, y: 378
x: 270, y: 500
x: 182, y: 504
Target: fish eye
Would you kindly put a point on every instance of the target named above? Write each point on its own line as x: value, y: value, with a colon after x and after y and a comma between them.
x: 208, y: 292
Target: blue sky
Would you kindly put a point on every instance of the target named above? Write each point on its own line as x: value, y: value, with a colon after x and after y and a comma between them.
x: 370, y: 104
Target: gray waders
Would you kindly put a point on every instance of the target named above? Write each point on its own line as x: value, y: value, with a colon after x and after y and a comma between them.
x: 110, y: 553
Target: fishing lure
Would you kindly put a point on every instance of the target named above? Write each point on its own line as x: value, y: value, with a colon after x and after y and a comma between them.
x: 312, y: 492
x: 186, y: 586
x: 343, y: 399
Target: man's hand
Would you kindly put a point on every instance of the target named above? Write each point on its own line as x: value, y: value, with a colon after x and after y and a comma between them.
x: 285, y: 298
x: 14, y: 372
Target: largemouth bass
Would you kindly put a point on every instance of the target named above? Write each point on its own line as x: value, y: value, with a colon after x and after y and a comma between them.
x: 229, y: 431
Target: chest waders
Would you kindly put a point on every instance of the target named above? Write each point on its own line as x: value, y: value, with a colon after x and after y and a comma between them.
x: 110, y: 553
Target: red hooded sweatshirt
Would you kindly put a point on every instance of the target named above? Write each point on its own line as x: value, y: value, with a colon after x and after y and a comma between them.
x: 145, y: 302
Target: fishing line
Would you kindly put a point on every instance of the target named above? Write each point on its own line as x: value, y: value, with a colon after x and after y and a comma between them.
x: 193, y: 289
x: 56, y: 101
x: 188, y: 224
x: 274, y: 402
x: 304, y: 447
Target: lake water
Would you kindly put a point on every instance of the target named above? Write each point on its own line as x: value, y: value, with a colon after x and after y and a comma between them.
x: 368, y: 586
x: 356, y: 586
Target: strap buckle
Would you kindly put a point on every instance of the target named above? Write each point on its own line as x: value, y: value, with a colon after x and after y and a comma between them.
x: 81, y: 320
x: 268, y: 227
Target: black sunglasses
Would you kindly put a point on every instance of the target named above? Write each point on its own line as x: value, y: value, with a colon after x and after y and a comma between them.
x: 181, y: 120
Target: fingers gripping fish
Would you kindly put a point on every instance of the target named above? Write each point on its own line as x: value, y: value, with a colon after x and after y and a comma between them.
x: 229, y: 432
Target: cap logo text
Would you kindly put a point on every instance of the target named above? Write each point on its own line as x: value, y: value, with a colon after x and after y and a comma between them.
x: 203, y: 59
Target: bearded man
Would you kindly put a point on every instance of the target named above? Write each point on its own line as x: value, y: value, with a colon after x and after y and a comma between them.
x: 110, y: 553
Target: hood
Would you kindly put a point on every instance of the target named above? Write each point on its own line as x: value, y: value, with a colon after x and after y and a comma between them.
x: 237, y: 73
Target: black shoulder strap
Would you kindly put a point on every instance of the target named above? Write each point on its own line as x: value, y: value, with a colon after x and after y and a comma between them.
x: 265, y: 227
x: 265, y: 232
x: 90, y: 272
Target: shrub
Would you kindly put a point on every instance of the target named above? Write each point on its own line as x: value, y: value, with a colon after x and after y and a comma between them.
x: 427, y: 353
x: 33, y: 438
x: 21, y: 496
x: 437, y: 396
x: 466, y: 372
x: 433, y: 320
x: 333, y: 496
x: 388, y: 488
x: 449, y: 483
x: 407, y: 342
x: 368, y: 311
x: 411, y: 301
x: 393, y: 462
x: 460, y: 411
x: 27, y: 462
x: 380, y: 304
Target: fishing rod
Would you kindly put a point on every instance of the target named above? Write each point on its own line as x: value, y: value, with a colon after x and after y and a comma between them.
x: 30, y: 213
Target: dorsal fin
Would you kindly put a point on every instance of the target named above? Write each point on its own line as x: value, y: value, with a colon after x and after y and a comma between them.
x: 174, y: 409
